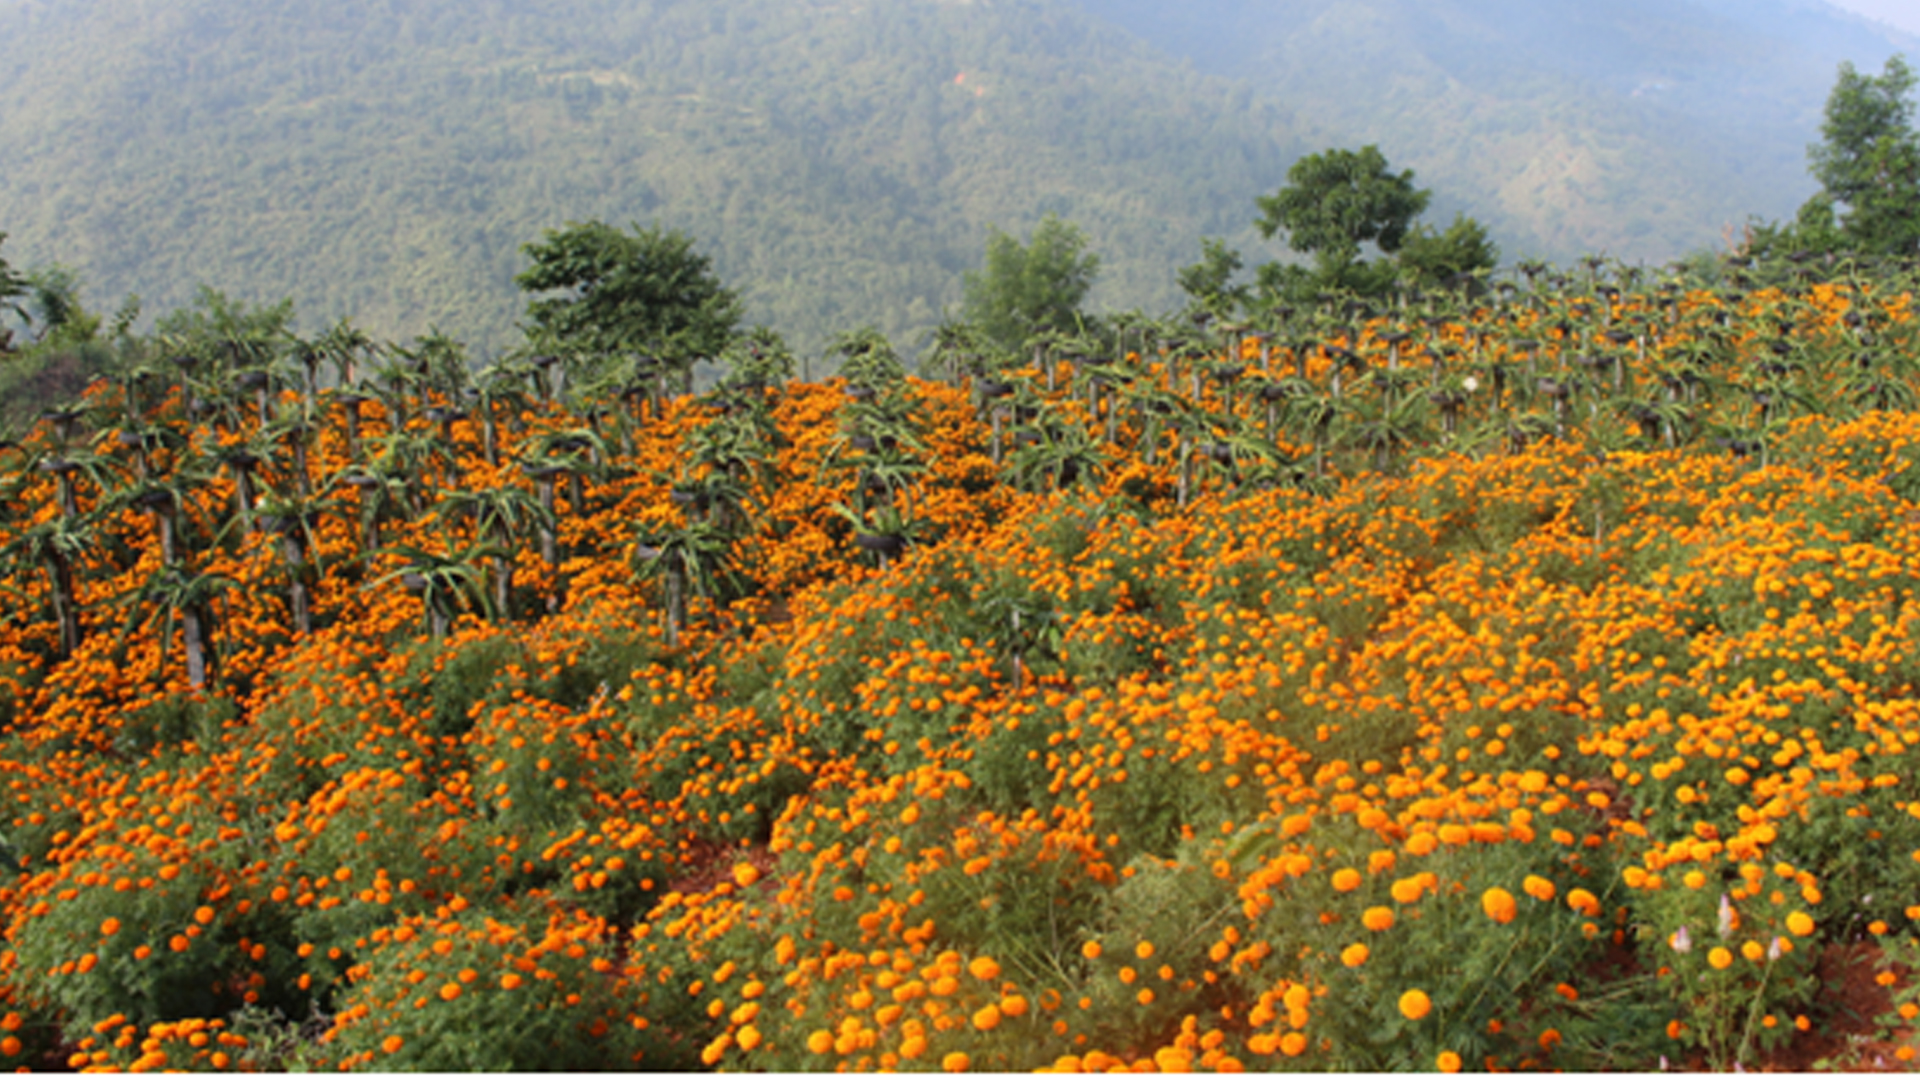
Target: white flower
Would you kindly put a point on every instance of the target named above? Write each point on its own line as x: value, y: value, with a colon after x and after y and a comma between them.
x: 1470, y: 383
x: 1727, y: 922
x: 1681, y: 941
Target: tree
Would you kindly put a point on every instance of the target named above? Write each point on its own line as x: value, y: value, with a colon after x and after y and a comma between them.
x: 600, y: 292
x: 1209, y: 282
x: 1431, y: 259
x: 12, y: 288
x: 1868, y: 162
x: 1027, y: 289
x: 1334, y: 203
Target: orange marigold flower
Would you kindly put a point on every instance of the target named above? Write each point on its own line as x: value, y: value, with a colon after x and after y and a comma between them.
x: 1499, y: 905
x: 1354, y: 955
x: 1415, y: 1004
x: 984, y: 967
x: 1448, y: 1062
x: 1800, y: 924
x: 449, y: 991
x: 1377, y: 918
x: 109, y: 927
x: 957, y: 1061
x: 1584, y: 902
x: 1346, y: 879
x: 392, y: 1044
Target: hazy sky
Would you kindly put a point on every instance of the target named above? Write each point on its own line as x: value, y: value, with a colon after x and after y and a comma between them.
x: 1904, y: 14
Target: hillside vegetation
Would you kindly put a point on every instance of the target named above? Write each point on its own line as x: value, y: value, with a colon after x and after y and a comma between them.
x: 1641, y: 129
x: 388, y: 160
x: 844, y: 163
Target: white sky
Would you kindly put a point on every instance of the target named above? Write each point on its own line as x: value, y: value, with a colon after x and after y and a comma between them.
x: 1904, y: 14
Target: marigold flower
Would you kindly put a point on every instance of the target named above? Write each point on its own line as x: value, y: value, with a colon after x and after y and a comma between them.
x: 1800, y: 924
x: 1354, y: 955
x: 1415, y: 1004
x: 1499, y: 905
x: 1377, y: 918
x: 1448, y: 1062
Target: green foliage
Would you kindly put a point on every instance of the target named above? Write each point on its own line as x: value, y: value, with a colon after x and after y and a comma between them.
x: 1431, y: 259
x: 1209, y: 282
x: 1032, y: 288
x: 562, y: 1011
x: 644, y: 291
x: 12, y: 288
x: 1333, y: 204
x: 1868, y: 161
x: 832, y: 162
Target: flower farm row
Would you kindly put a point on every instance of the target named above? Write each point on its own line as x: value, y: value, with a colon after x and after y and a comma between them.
x: 1531, y: 688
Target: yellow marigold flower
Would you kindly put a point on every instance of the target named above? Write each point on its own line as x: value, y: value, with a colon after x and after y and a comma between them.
x: 1720, y: 958
x: 1800, y: 924
x: 1415, y: 1004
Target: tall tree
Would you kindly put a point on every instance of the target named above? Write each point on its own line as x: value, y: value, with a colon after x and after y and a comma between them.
x: 1334, y: 203
x: 1031, y: 288
x: 599, y: 292
x: 1868, y: 161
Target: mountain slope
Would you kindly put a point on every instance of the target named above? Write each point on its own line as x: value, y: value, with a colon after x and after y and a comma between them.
x: 1640, y: 127
x: 387, y: 158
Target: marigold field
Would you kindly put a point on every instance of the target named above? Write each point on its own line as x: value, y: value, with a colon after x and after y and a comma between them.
x: 1523, y: 685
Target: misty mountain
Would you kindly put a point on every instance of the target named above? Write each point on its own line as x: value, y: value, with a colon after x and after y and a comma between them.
x: 1640, y: 128
x: 386, y: 159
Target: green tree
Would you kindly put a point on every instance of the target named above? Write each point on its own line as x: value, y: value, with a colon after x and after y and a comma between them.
x: 1031, y: 288
x: 1868, y: 166
x: 599, y: 292
x: 1334, y: 203
x: 1209, y: 282
x: 1431, y: 258
x: 12, y: 288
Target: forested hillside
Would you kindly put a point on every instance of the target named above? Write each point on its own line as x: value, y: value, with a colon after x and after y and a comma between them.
x: 844, y: 164
x: 388, y: 159
x: 1640, y: 128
